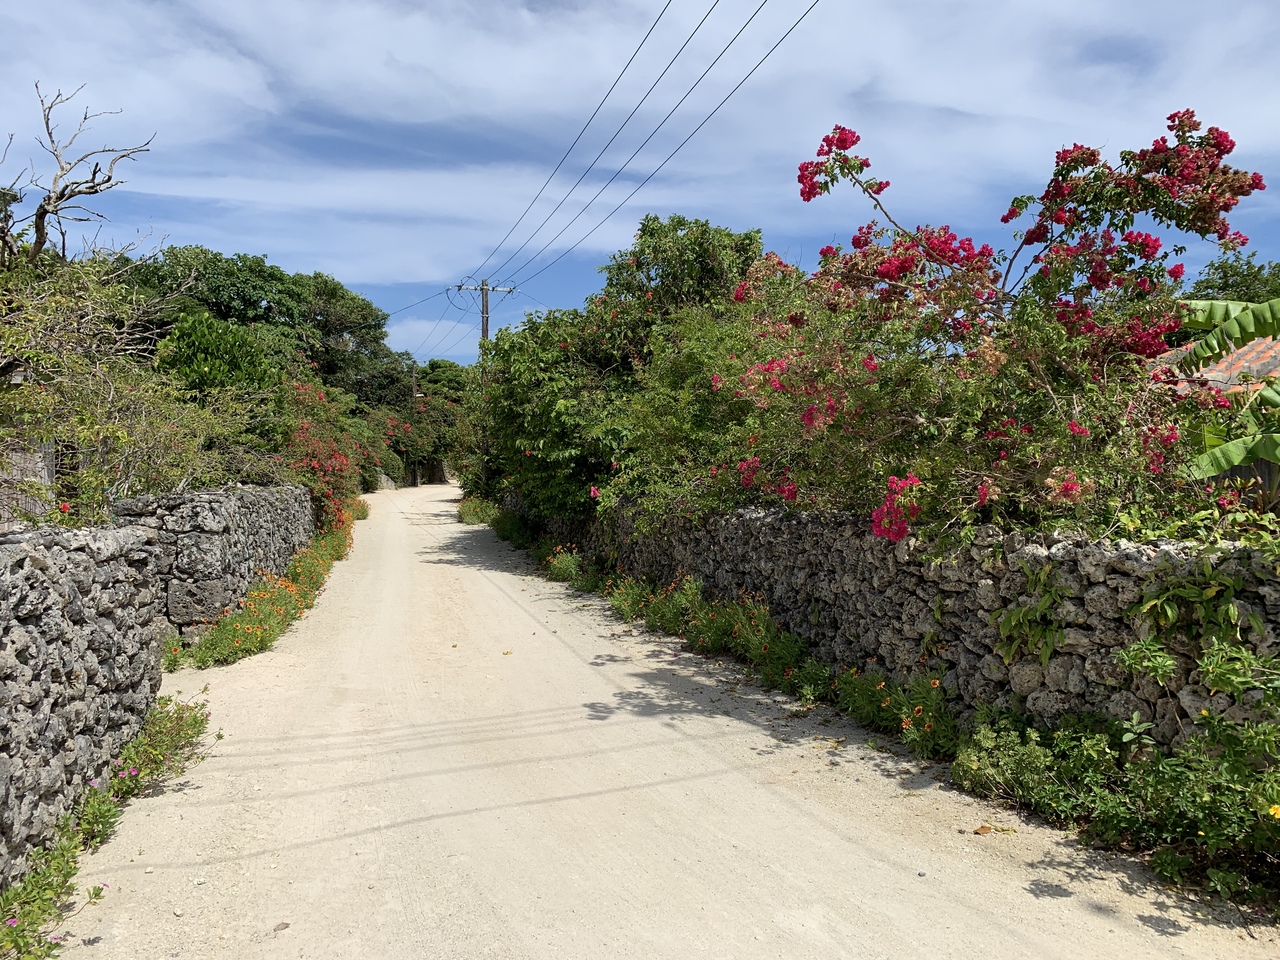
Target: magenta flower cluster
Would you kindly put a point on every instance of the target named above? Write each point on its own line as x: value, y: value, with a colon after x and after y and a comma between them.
x: 892, y: 519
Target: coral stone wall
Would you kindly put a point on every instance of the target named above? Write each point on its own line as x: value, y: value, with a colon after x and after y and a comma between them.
x: 861, y: 600
x: 213, y: 545
x: 84, y: 616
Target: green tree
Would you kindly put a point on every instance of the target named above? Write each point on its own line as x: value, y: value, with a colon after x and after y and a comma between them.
x: 678, y: 263
x: 1234, y: 276
x: 545, y: 417
x: 205, y: 353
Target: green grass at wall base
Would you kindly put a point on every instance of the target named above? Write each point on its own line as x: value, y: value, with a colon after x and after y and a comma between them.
x: 273, y: 603
x: 34, y: 911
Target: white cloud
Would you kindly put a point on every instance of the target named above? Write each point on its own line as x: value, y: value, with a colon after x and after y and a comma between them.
x: 394, y: 141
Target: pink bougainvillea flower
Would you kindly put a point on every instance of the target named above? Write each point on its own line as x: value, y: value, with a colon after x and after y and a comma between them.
x: 595, y: 493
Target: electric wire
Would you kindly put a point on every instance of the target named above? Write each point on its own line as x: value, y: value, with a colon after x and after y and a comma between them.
x: 645, y: 143
x: 441, y: 351
x: 581, y: 133
x: 671, y: 155
x: 435, y: 330
x: 615, y: 136
x: 418, y: 302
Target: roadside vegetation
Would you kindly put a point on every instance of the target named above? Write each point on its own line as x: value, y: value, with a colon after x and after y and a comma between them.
x: 130, y: 372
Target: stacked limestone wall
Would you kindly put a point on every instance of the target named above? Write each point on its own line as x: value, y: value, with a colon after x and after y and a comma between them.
x: 861, y: 600
x: 84, y: 617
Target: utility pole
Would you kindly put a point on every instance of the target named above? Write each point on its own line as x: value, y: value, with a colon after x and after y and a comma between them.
x: 413, y: 405
x: 485, y: 290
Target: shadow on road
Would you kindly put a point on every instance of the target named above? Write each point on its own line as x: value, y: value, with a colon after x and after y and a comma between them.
x: 673, y: 684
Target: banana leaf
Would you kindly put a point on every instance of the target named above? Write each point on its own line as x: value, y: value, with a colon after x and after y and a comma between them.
x: 1240, y: 452
x: 1229, y: 324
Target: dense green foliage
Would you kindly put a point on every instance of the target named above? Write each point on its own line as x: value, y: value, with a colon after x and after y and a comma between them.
x: 1236, y: 276
x: 132, y: 380
x: 547, y: 412
x: 916, y: 379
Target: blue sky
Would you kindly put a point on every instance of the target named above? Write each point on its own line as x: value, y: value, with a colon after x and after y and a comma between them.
x: 392, y: 143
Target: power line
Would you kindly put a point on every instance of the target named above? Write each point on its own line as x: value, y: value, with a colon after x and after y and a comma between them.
x: 628, y: 197
x: 594, y: 113
x: 636, y: 152
x: 436, y: 329
x: 456, y: 341
x: 497, y: 270
x: 546, y: 306
x: 418, y: 302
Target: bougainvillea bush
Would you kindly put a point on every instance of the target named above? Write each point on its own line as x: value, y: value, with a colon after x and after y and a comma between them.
x: 926, y: 381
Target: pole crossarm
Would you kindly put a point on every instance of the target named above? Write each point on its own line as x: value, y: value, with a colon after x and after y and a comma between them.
x: 485, y: 290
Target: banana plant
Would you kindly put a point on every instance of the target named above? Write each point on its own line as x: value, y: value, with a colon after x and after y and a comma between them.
x: 1229, y: 325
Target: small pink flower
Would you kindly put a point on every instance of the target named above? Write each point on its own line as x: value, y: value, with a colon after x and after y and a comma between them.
x: 870, y: 363
x: 11, y: 922
x: 595, y: 493
x: 1078, y: 430
x: 64, y: 507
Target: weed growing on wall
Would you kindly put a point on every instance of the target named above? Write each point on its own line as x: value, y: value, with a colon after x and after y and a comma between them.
x: 33, y: 910
x: 273, y: 603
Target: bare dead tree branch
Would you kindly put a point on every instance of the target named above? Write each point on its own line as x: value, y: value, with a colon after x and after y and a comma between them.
x: 10, y: 197
x: 87, y: 175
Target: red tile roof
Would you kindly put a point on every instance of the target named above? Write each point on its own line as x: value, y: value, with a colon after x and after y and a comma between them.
x: 1256, y: 361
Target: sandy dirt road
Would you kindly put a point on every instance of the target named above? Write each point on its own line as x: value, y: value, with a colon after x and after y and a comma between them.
x: 451, y: 758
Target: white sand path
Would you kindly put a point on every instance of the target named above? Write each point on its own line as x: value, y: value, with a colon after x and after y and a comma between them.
x: 452, y: 758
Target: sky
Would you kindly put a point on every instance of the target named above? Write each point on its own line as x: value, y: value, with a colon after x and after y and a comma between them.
x: 394, y: 143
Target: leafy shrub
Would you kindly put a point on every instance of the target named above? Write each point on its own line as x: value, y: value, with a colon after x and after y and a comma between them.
x: 563, y: 564
x: 627, y: 597
x: 917, y: 712
x: 474, y: 510
x: 208, y: 354
x: 513, y: 528
x: 918, y: 379
x: 1205, y: 811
